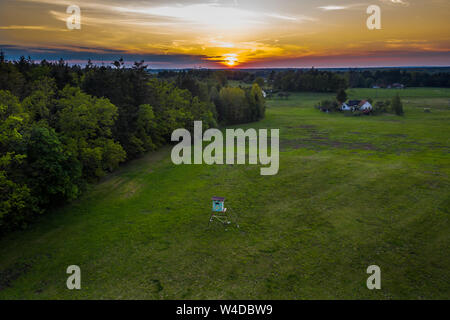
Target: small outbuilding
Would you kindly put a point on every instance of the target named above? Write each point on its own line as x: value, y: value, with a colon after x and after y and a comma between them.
x: 346, y: 107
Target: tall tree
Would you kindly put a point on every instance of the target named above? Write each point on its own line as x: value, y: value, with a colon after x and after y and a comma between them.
x: 397, y: 105
x: 85, y: 122
x: 341, y: 96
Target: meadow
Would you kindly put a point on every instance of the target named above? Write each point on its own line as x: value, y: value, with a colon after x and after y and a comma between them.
x: 351, y: 192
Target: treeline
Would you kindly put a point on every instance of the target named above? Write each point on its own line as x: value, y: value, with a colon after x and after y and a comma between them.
x: 221, y: 75
x: 311, y: 80
x: 62, y: 127
x: 291, y: 80
x: 236, y: 105
x: 231, y: 105
x: 409, y: 78
x: 332, y: 81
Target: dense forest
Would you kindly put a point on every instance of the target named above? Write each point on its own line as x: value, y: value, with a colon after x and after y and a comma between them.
x: 406, y: 77
x: 311, y: 80
x: 333, y: 81
x: 319, y: 80
x: 330, y: 80
x: 63, y: 127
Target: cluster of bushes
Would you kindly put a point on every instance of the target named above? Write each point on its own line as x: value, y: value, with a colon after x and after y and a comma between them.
x: 62, y: 127
x: 394, y: 106
x: 328, y: 106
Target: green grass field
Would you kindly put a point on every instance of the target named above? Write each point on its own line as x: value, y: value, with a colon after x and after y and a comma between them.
x: 351, y: 192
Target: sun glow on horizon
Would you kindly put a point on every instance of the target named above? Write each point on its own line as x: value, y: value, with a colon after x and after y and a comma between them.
x: 230, y: 60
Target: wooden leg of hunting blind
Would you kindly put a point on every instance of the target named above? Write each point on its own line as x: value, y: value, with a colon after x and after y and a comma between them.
x: 223, y: 216
x: 210, y: 220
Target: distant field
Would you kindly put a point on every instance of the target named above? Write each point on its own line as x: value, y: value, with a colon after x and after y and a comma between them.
x: 234, y: 83
x: 351, y: 192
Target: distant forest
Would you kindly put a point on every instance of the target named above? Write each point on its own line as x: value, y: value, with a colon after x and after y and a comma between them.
x: 319, y: 80
x: 63, y: 127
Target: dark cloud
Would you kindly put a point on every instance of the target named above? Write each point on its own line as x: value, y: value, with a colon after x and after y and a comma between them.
x: 383, y: 58
x: 83, y: 54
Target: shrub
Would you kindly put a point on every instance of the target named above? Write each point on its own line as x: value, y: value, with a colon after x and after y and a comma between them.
x: 380, y: 107
x: 328, y: 105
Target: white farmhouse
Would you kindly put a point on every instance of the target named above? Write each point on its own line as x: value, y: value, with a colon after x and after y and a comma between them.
x: 365, y: 105
x: 354, y: 105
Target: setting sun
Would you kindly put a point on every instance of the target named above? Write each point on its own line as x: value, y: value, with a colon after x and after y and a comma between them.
x: 230, y: 59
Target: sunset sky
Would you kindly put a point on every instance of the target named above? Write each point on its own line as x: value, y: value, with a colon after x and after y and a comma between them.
x: 231, y: 33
